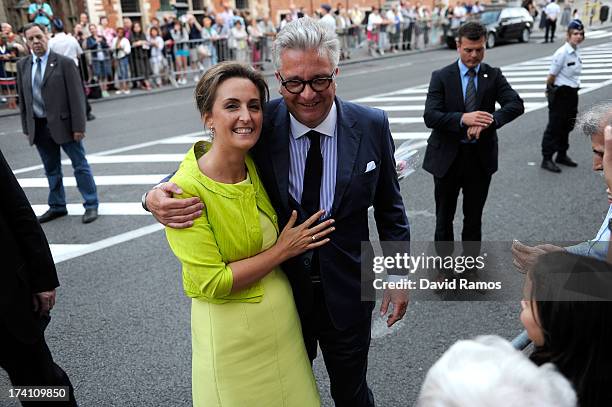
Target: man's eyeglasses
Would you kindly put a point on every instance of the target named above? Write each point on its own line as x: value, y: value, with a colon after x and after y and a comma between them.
x: 296, y: 86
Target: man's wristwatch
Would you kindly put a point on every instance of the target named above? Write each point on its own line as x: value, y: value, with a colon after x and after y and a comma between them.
x: 143, y: 202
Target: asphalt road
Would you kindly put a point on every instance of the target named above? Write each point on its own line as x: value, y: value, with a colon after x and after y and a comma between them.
x: 121, y: 324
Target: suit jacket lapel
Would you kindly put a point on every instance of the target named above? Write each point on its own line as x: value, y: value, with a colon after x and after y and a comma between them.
x: 457, y: 87
x: 348, y: 145
x: 482, y: 84
x: 27, y: 76
x: 279, y: 151
x: 51, y: 64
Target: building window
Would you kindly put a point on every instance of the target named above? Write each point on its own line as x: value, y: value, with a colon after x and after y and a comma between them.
x: 130, y: 6
x: 242, y: 4
x: 197, y: 5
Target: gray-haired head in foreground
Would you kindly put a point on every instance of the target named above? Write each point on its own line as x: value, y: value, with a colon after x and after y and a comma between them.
x: 596, y: 118
x: 306, y: 34
x: 488, y: 371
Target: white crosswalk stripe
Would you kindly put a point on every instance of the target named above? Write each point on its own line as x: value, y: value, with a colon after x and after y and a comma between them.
x: 403, y: 106
x: 598, y: 34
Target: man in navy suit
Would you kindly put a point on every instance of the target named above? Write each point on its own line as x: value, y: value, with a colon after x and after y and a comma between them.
x: 317, y: 151
x: 462, y: 149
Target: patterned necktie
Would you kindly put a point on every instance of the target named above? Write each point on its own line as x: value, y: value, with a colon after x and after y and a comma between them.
x: 38, y: 104
x: 470, y: 92
x: 313, y: 173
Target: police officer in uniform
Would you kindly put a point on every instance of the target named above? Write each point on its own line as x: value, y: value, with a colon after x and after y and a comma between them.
x: 562, y: 87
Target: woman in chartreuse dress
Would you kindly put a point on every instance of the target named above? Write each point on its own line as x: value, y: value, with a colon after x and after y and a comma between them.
x: 247, y: 342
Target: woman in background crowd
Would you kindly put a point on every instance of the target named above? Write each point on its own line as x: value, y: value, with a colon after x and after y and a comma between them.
x: 238, y: 42
x: 106, y: 31
x: 157, y: 55
x: 181, y: 51
x: 194, y: 34
x: 9, y: 51
x: 140, y: 54
x: 210, y: 37
x: 100, y: 58
x: 121, y: 51
x: 255, y: 39
x: 373, y: 29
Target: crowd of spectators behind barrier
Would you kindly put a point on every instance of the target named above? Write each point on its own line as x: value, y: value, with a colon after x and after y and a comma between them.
x: 173, y: 50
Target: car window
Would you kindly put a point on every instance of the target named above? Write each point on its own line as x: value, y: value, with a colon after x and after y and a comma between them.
x: 489, y: 17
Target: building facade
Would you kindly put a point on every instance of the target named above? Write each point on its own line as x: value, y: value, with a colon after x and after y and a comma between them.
x: 15, y: 11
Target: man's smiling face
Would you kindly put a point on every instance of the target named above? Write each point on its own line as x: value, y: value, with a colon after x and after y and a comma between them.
x: 308, y: 107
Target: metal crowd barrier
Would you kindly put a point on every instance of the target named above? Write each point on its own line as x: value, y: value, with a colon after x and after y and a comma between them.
x: 178, y: 63
x: 350, y: 38
x: 8, y: 88
x: 181, y: 62
x: 389, y: 37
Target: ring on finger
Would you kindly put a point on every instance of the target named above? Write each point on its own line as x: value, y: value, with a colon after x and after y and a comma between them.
x: 314, y: 237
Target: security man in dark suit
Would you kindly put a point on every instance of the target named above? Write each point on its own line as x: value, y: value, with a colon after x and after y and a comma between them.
x: 462, y: 149
x: 27, y: 293
x: 52, y: 104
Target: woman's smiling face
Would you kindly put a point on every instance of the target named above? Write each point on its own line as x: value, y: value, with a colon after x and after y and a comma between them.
x: 237, y: 114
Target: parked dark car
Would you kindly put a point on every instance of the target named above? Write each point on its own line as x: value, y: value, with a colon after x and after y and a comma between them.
x: 503, y: 24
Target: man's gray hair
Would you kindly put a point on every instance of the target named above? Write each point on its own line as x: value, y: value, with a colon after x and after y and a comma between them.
x: 488, y: 371
x: 596, y: 118
x: 306, y: 34
x: 29, y: 26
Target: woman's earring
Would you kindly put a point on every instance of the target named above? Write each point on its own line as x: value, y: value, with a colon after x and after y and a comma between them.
x: 212, y: 132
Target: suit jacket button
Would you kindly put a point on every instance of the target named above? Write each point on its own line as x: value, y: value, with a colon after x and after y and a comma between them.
x: 307, y: 262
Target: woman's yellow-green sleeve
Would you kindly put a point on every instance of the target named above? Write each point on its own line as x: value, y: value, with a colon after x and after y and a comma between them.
x: 205, y: 274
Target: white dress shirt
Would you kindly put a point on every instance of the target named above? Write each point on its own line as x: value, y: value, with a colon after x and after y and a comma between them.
x: 43, y: 65
x: 298, y: 150
x: 552, y: 11
x: 66, y: 45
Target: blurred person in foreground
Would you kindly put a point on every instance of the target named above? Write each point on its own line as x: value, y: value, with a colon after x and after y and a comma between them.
x: 567, y: 312
x: 318, y: 151
x: 488, y: 371
x: 27, y: 293
x: 596, y: 123
x: 243, y: 315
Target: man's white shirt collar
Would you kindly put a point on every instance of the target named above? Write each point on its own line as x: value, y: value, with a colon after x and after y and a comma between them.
x: 43, y: 59
x: 327, y: 127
